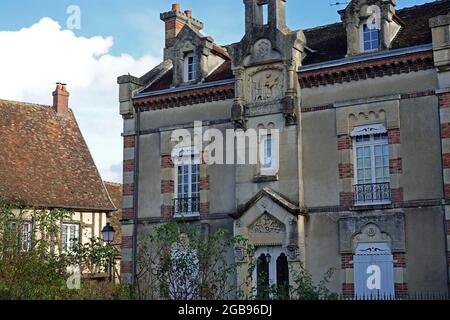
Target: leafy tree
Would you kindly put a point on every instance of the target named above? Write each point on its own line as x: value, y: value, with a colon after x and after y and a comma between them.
x: 176, y: 262
x: 33, y: 268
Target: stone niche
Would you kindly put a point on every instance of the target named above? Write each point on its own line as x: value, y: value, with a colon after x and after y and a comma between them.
x: 388, y: 228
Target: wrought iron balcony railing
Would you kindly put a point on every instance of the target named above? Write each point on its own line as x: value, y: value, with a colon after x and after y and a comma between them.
x: 186, y: 206
x: 373, y: 193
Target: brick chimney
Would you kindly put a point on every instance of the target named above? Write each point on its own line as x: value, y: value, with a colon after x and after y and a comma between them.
x: 61, y: 99
x: 176, y: 20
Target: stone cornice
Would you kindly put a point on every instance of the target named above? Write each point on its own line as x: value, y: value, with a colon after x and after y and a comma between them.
x: 185, y: 98
x: 367, y: 70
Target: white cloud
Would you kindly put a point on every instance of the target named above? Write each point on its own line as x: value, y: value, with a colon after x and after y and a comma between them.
x: 33, y: 59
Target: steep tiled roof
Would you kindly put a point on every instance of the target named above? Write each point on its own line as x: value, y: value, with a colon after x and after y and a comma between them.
x: 45, y: 162
x: 115, y: 192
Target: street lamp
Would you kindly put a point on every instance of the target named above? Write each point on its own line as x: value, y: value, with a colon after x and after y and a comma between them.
x: 108, y: 233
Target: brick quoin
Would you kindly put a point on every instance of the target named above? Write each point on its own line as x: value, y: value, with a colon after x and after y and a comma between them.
x: 167, y: 186
x: 127, y: 214
x: 166, y: 162
x: 348, y: 290
x: 128, y: 142
x: 128, y: 189
x: 345, y: 261
x: 128, y: 166
x: 345, y: 171
x: 447, y: 191
x: 394, y: 136
x: 204, y: 183
x: 444, y: 101
x: 166, y: 211
x: 401, y: 289
x: 397, y: 195
x: 345, y: 142
x: 127, y: 242
x: 204, y: 208
x: 395, y: 166
x: 399, y: 260
x: 446, y: 160
x: 126, y: 266
x: 445, y: 131
x: 448, y: 228
x: 346, y: 199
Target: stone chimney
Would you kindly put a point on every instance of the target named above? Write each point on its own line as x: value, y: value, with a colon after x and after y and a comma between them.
x: 61, y: 99
x: 176, y: 20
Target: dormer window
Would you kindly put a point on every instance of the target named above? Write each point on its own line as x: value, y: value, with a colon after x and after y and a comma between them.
x: 190, y: 67
x: 370, y: 38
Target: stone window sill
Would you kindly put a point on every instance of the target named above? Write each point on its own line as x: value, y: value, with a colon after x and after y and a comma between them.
x: 265, y: 178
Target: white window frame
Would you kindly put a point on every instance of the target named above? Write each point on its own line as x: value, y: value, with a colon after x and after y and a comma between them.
x: 275, y: 252
x: 26, y: 233
x: 69, y: 240
x: 369, y: 131
x: 362, y: 42
x: 273, y: 168
x: 190, y: 76
x: 188, y: 156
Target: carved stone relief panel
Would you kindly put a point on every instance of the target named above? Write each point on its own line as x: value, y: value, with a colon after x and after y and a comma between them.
x: 264, y: 84
x: 267, y: 224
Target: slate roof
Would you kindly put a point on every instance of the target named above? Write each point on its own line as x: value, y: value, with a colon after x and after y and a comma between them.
x: 329, y: 42
x: 45, y: 162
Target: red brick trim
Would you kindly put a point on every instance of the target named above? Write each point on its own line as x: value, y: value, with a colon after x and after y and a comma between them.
x: 128, y: 142
x: 204, y: 183
x: 399, y: 260
x: 127, y: 242
x: 397, y: 195
x: 127, y: 214
x: 419, y: 94
x: 185, y: 98
x: 346, y: 171
x: 348, y: 290
x: 396, y: 166
x: 167, y: 186
x: 128, y: 189
x: 401, y: 289
x: 367, y: 70
x: 346, y: 260
x: 204, y: 208
x: 394, y: 136
x: 445, y: 130
x: 345, y: 142
x: 317, y: 108
x: 166, y: 211
x: 447, y: 191
x: 347, y: 199
x: 444, y: 100
x: 448, y: 228
x: 128, y: 165
x: 166, y: 162
x: 446, y: 160
x: 126, y: 266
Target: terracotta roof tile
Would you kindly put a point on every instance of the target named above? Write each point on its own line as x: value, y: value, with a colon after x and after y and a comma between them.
x: 44, y: 160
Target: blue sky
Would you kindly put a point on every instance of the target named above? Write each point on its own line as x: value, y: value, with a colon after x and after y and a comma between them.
x: 116, y: 37
x: 136, y: 27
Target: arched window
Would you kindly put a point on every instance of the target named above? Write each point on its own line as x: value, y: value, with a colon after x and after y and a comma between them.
x: 283, y: 275
x: 262, y: 275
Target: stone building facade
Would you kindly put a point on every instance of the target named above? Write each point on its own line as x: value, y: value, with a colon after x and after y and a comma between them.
x: 361, y: 108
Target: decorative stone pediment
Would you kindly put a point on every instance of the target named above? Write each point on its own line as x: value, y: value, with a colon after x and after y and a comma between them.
x: 388, y: 228
x: 267, y: 224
